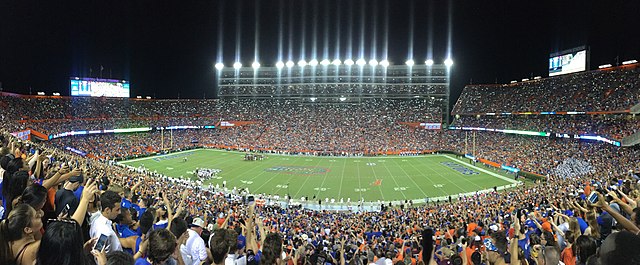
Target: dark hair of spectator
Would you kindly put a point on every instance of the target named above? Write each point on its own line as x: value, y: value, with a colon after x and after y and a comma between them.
x: 109, y: 199
x: 271, y: 249
x: 162, y: 243
x: 11, y: 229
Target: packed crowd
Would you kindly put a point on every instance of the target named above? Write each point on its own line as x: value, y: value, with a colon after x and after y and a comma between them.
x: 57, y: 206
x: 588, y: 91
x: 613, y: 126
x: 334, y: 89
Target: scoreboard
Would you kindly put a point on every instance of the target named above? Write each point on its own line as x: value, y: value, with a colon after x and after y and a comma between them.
x: 97, y: 87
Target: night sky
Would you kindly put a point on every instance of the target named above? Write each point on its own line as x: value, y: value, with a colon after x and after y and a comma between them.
x: 168, y: 47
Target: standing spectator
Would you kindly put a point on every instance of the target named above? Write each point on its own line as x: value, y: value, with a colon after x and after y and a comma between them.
x: 195, y: 244
x: 102, y: 225
x: 66, y: 196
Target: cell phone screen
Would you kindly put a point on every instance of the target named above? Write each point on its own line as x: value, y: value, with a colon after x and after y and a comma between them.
x: 101, y: 242
x: 65, y: 210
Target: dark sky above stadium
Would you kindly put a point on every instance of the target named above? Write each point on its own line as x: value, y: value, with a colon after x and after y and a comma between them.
x: 169, y: 47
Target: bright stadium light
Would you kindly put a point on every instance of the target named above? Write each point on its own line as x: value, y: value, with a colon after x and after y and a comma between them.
x: 237, y: 65
x: 343, y: 98
x: 325, y: 62
x: 448, y: 62
x: 629, y: 62
x: 428, y: 62
x: 313, y: 63
x: 604, y: 66
x: 219, y: 66
x: 373, y: 62
x: 138, y: 96
x: 384, y: 63
x: 348, y: 62
x: 255, y: 65
x: 290, y: 64
x: 56, y: 94
x: 40, y: 93
x: 302, y: 63
x: 336, y: 62
x: 313, y: 99
x: 279, y: 64
x: 409, y: 62
x: 361, y: 62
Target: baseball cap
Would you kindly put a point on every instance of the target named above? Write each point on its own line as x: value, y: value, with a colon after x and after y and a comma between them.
x: 197, y: 222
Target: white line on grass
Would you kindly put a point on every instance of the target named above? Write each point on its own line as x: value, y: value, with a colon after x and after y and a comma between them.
x: 409, y: 177
x: 305, y: 181
x: 429, y: 179
x: 394, y: 180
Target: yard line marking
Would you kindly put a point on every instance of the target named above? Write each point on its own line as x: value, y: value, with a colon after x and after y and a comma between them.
x: 429, y: 179
x: 394, y: 179
x: 414, y: 182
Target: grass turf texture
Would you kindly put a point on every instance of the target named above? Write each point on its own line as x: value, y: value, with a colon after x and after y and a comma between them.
x: 390, y: 178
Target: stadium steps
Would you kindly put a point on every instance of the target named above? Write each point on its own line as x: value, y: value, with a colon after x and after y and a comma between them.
x: 631, y: 140
x: 635, y: 109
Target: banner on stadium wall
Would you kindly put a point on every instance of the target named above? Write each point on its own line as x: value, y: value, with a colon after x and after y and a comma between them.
x: 424, y: 125
x: 126, y: 130
x: 544, y: 134
x: 22, y: 135
x: 229, y: 124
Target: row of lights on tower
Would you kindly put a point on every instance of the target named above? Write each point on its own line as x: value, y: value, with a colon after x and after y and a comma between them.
x: 336, y: 62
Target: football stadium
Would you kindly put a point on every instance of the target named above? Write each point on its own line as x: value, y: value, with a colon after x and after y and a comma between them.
x: 319, y: 133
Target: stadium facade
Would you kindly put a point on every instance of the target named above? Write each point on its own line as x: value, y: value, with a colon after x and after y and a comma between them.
x: 339, y: 83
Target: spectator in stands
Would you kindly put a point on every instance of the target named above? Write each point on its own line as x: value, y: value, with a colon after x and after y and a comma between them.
x: 162, y: 244
x: 101, y: 225
x: 62, y: 244
x: 195, y: 244
x: 18, y: 244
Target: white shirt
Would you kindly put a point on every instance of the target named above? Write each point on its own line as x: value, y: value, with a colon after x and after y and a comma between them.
x: 232, y: 259
x: 100, y: 225
x: 196, y: 248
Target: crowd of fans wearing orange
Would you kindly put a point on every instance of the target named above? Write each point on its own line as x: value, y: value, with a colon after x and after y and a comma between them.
x: 57, y: 205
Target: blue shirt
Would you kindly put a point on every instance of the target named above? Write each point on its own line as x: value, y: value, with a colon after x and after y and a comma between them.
x: 583, y: 224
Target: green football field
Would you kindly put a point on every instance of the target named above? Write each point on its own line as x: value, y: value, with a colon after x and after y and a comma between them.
x: 385, y: 178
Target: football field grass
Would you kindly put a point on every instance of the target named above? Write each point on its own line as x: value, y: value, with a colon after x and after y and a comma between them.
x: 385, y: 178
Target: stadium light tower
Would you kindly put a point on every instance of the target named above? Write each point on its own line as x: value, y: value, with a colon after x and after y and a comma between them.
x: 325, y: 62
x: 237, y: 65
x: 336, y: 62
x: 373, y: 62
x: 255, y: 65
x: 429, y: 62
x: 313, y: 63
x: 384, y: 63
x: 219, y: 66
x: 348, y: 62
x: 279, y: 65
x: 290, y: 64
x: 448, y: 62
x: 410, y: 62
x: 302, y: 63
x: 361, y: 62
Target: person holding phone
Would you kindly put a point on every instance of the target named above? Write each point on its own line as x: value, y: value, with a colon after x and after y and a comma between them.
x: 103, y: 223
x: 66, y: 196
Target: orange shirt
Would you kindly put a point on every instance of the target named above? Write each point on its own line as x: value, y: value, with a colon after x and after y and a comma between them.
x: 567, y: 257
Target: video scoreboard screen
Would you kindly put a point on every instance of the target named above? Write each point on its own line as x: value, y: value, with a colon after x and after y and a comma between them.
x: 569, y: 61
x: 96, y: 87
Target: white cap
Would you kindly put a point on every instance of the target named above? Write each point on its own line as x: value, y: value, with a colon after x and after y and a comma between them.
x: 198, y: 222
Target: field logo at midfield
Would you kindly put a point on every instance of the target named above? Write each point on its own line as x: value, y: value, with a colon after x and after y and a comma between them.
x: 378, y: 182
x: 457, y: 167
x: 300, y: 170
